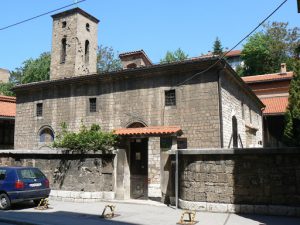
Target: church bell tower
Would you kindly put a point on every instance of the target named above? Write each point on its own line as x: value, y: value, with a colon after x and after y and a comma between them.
x: 74, y: 44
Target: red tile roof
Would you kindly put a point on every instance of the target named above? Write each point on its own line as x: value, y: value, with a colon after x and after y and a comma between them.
x: 275, y: 105
x: 268, y: 77
x: 158, y: 130
x: 234, y: 53
x: 229, y: 54
x: 7, y: 106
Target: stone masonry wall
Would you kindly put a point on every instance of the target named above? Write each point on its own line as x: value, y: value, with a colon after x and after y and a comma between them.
x: 248, y: 183
x: 154, y: 187
x: 80, y: 173
x: 120, y: 103
x: 234, y: 102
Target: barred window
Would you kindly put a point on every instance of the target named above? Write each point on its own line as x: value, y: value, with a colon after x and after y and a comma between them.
x: 39, y: 109
x: 93, y: 104
x: 170, y: 98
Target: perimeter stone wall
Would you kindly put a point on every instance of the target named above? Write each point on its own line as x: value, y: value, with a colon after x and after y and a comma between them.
x: 74, y: 175
x: 247, y: 183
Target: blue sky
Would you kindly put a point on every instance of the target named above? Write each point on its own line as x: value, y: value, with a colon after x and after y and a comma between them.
x: 155, y: 26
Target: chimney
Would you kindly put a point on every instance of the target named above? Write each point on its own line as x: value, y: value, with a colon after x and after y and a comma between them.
x: 283, y: 68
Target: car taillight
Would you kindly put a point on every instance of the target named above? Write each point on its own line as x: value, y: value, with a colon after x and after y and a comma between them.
x: 19, y: 184
x: 47, y: 183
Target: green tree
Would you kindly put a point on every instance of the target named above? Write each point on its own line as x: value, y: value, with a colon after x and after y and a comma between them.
x: 93, y: 139
x: 175, y: 56
x: 5, y: 89
x: 292, y: 116
x: 217, y: 48
x: 106, y: 60
x: 32, y: 70
x: 267, y: 49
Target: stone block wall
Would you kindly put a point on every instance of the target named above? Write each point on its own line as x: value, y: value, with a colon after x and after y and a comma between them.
x: 248, y: 183
x: 120, y: 103
x: 235, y: 102
x: 154, y: 176
x: 69, y: 172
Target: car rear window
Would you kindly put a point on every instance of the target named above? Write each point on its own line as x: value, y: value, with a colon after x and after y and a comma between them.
x: 30, y: 174
x: 2, y: 174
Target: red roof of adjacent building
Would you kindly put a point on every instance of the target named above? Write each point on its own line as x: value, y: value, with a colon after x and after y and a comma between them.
x: 275, y: 105
x: 158, y: 130
x: 268, y: 77
x: 228, y: 54
x: 234, y: 53
x: 7, y: 106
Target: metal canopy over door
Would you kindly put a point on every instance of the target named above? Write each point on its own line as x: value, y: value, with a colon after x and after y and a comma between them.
x: 139, y: 168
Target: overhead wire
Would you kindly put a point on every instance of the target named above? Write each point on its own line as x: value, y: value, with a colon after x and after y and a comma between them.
x: 43, y: 14
x: 223, y: 56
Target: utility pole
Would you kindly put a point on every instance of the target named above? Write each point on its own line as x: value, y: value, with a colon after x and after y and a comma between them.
x: 298, y: 4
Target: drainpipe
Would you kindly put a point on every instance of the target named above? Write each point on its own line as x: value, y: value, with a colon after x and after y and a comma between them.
x: 176, y: 180
x: 220, y: 109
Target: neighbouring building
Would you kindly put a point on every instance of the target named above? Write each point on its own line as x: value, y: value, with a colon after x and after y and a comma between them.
x: 151, y: 107
x: 232, y: 57
x: 273, y: 91
x: 4, y: 75
x: 7, y: 121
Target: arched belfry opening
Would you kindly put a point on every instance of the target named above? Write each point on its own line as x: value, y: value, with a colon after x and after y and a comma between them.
x: 63, y: 53
x: 87, y: 52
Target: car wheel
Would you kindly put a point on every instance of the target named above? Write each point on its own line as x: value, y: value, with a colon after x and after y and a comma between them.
x: 4, y: 201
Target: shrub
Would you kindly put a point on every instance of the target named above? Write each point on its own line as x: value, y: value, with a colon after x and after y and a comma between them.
x: 93, y: 139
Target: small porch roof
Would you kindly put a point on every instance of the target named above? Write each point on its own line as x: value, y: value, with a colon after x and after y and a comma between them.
x: 154, y: 130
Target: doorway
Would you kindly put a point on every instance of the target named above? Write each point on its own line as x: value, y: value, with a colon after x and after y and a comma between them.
x: 139, y: 168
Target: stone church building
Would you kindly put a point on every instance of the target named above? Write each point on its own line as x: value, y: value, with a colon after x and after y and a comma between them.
x: 199, y: 103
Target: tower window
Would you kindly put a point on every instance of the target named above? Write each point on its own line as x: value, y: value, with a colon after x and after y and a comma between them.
x: 39, y: 109
x: 87, y: 51
x: 64, y: 24
x: 87, y: 27
x: 93, y: 105
x: 170, y: 98
x: 63, y: 50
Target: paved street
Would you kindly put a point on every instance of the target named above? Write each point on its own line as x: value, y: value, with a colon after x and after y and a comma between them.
x: 62, y: 213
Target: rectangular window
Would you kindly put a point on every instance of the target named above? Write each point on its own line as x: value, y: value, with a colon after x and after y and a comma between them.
x: 93, y: 105
x: 250, y: 116
x: 39, y: 109
x: 170, y: 98
x: 181, y: 143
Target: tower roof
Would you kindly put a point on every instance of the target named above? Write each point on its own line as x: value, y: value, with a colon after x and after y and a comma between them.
x: 73, y: 11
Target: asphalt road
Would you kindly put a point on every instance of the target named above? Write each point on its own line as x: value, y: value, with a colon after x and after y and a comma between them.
x: 130, y: 213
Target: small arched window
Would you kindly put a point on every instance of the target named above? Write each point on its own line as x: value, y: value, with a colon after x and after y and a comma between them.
x: 131, y: 66
x: 63, y: 50
x: 234, y: 132
x: 86, y: 51
x: 87, y: 27
x: 46, y: 135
